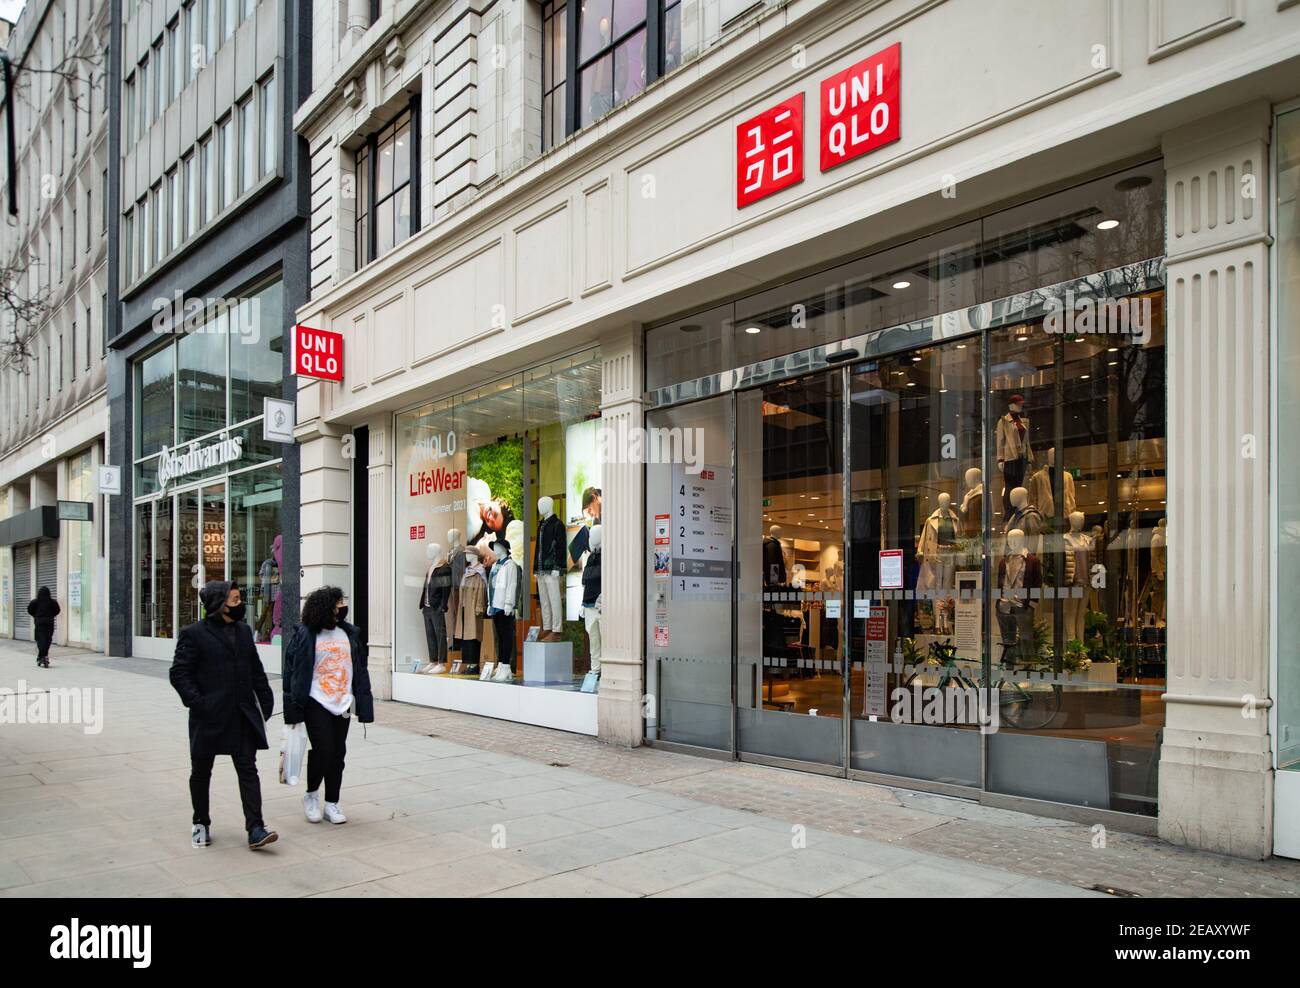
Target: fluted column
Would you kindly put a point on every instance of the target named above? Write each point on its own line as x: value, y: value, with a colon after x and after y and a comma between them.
x: 1215, y: 765
x: 619, y: 712
x: 380, y: 563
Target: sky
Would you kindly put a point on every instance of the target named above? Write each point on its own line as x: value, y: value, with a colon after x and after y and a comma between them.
x: 10, y: 9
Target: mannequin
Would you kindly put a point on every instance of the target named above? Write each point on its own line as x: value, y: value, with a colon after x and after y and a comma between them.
x: 1159, y: 561
x: 456, y: 559
x: 1094, y: 560
x: 277, y: 553
x: 434, y: 596
x: 1019, y: 572
x: 470, y: 610
x: 591, y: 596
x: 775, y: 571
x: 1078, y: 548
x: 972, y: 504
x: 548, y: 564
x: 1042, y: 484
x: 1015, y: 452
x: 503, y: 589
x: 1025, y: 517
x: 935, y: 552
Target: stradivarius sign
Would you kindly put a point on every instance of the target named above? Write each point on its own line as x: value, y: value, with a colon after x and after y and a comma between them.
x: 172, y: 464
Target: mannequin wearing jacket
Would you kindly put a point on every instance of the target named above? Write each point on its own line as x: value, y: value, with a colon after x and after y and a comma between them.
x: 470, y: 611
x: 1019, y: 572
x: 591, y: 596
x: 549, y: 565
x: 456, y: 560
x: 972, y: 503
x: 775, y: 571
x: 1041, y: 486
x: 1026, y: 518
x: 1159, y: 560
x: 1078, y: 548
x: 1014, y: 450
x: 503, y: 587
x: 934, y: 551
x: 434, y: 595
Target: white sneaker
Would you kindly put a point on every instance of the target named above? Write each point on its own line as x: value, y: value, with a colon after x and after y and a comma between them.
x: 438, y: 669
x: 199, y: 836
x: 311, y: 807
x: 503, y: 674
x: 333, y: 814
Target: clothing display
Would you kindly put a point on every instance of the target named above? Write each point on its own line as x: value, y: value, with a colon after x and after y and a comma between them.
x: 1016, y: 612
x: 936, y: 549
x: 1078, y: 549
x: 503, y: 592
x: 469, y: 623
x: 1014, y: 454
x: 972, y: 511
x: 591, y: 605
x: 435, y: 597
x: 456, y: 560
x: 550, y: 595
x: 775, y: 573
x: 1041, y: 486
x: 548, y: 553
x: 1028, y: 520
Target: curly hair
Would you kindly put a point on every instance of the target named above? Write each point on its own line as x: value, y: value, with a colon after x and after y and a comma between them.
x: 318, y: 608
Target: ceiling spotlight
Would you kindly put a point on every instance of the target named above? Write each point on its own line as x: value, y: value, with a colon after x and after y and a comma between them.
x: 691, y: 327
x: 1021, y: 339
x: 916, y: 360
x: 1112, y: 349
x: 902, y: 284
x: 752, y: 330
x: 1112, y: 363
x: 1083, y: 377
x: 1107, y: 224
x: 943, y: 391
x: 1078, y: 339
x: 911, y: 384
x: 961, y: 346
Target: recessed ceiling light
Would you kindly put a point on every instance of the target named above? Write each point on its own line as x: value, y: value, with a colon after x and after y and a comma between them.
x: 752, y: 330
x: 691, y: 327
x: 1107, y: 224
x: 943, y: 391
x: 916, y: 360
x: 961, y: 346
x: 902, y: 284
x: 911, y: 384
x: 1112, y: 349
x: 1083, y: 377
x: 1112, y: 363
x: 1078, y: 339
x: 1021, y: 339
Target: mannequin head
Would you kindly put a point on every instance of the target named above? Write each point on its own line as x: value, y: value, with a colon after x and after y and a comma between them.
x: 1076, y: 521
x: 1163, y: 523
x: 501, y: 548
x: 1016, y: 404
x: 775, y: 532
x: 945, y: 500
x: 545, y: 506
x: 472, y: 557
x: 1015, y: 542
x: 1051, y: 456
x: 453, y: 538
x: 485, y: 555
x: 594, y: 539
x: 1019, y: 498
x: 974, y: 477
x: 433, y: 551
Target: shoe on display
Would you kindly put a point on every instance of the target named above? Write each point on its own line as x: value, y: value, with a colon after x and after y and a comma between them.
x: 259, y: 837
x: 438, y: 669
x: 333, y: 814
x: 503, y: 674
x: 199, y: 836
x: 311, y: 807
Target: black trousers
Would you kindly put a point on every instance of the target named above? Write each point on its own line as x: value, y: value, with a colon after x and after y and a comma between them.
x: 328, y: 734
x: 435, y: 633
x: 470, y: 649
x: 504, y: 626
x: 250, y: 789
x: 1013, y: 476
x: 43, y: 638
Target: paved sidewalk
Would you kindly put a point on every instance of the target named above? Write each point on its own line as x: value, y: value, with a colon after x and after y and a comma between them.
x: 446, y: 804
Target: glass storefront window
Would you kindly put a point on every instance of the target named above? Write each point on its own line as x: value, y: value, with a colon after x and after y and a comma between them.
x: 79, y: 541
x: 155, y: 402
x: 1288, y: 414
x: 201, y: 378
x: 256, y: 548
x: 256, y: 352
x: 476, y: 467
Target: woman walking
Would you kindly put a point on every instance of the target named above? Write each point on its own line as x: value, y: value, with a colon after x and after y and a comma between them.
x: 326, y: 681
x: 43, y: 609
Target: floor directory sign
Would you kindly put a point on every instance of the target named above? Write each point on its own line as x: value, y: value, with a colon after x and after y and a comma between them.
x: 700, y: 528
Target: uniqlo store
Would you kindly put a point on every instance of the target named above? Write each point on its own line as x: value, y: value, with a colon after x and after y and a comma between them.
x: 498, y: 510
x: 934, y: 469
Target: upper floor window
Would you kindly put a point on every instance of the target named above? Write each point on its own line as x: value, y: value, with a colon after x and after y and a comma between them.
x: 597, y: 54
x: 387, y: 187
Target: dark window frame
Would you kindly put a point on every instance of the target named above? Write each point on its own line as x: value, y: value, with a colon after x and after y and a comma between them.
x: 368, y: 154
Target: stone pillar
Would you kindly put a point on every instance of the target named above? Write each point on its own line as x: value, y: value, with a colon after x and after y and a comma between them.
x: 619, y: 713
x: 358, y: 19
x: 380, y: 562
x: 1216, y: 781
x: 325, y: 492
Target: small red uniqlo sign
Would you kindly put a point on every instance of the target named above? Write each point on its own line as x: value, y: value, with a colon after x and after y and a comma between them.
x: 769, y: 151
x: 318, y: 353
x: 860, y: 108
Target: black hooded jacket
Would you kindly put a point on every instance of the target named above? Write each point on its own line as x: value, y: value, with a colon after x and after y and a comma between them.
x: 300, y: 663
x: 43, y: 608
x: 218, y: 675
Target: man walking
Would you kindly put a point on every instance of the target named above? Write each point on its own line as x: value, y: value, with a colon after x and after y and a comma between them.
x: 220, y: 678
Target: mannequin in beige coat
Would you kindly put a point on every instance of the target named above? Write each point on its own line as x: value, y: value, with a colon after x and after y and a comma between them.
x: 471, y: 608
x: 1040, y: 489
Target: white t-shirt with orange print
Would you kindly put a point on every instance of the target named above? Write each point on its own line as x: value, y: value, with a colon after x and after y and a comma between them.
x: 331, y: 678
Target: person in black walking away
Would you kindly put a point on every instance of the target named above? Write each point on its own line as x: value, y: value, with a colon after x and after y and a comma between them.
x: 220, y: 678
x: 326, y: 681
x: 43, y: 609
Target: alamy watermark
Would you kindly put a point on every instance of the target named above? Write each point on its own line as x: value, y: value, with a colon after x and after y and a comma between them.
x: 620, y: 442
x: 1107, y: 317
x: 946, y: 705
x: 240, y: 317
x: 84, y: 706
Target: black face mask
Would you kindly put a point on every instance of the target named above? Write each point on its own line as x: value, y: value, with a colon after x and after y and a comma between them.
x: 235, y: 613
x: 341, y: 614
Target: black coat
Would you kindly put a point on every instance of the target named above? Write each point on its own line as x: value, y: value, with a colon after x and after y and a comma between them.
x: 43, y: 611
x: 300, y: 663
x: 223, y: 687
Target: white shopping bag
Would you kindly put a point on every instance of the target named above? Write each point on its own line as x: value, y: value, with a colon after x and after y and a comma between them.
x: 293, y: 747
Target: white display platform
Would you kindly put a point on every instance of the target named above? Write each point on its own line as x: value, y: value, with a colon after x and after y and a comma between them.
x: 564, y: 710
x: 547, y: 663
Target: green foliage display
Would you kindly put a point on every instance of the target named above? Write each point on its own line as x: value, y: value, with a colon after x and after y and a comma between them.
x: 501, y: 466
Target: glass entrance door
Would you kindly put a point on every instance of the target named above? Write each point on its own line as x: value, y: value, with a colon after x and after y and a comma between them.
x: 790, y: 686
x: 917, y: 514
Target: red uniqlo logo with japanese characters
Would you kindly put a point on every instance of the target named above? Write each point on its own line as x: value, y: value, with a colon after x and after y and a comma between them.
x: 860, y: 108
x: 769, y: 151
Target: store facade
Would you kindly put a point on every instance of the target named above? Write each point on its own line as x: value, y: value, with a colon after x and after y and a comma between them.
x: 907, y: 392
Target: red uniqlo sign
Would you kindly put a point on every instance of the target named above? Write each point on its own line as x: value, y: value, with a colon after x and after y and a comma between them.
x: 769, y: 151
x: 318, y: 353
x: 860, y: 108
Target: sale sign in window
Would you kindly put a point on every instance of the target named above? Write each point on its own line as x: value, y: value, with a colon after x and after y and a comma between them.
x: 769, y: 152
x: 318, y: 353
x: 860, y: 108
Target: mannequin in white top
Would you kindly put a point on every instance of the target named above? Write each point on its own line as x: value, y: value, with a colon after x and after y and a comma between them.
x: 1078, y: 544
x: 1159, y: 560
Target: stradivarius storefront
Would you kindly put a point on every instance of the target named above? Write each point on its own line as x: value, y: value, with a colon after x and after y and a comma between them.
x: 206, y: 482
x: 926, y: 538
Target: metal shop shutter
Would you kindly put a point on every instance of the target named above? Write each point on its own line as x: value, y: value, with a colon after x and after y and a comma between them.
x: 47, y: 566
x: 22, y: 592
